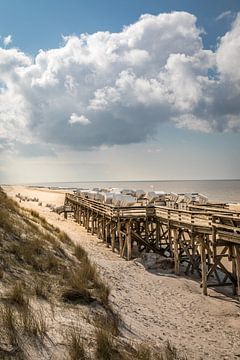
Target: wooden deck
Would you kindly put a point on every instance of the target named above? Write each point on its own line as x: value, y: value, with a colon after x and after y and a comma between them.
x: 206, y: 239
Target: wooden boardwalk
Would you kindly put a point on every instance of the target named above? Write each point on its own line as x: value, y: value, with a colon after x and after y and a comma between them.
x: 204, y: 238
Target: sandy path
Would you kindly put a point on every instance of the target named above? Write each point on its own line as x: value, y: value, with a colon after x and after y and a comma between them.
x: 155, y: 308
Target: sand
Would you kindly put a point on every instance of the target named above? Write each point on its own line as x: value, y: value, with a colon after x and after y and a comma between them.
x: 155, y: 307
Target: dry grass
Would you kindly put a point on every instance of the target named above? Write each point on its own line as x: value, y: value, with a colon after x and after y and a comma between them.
x: 34, y: 213
x: 63, y: 237
x: 143, y: 352
x: 84, y: 285
x: 41, y: 288
x: 75, y: 345
x: 18, y: 295
x: 36, y: 254
x: 5, y: 221
x: 33, y: 323
x: 108, y: 322
x: 80, y: 253
x: 8, y: 321
x: 146, y: 352
x: 77, y: 289
x: 104, y: 345
x: 18, y: 322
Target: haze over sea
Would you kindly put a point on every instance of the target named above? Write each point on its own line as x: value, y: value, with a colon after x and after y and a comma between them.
x: 215, y: 190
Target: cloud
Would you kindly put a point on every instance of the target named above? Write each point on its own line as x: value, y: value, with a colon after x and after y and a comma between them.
x: 7, y: 40
x: 123, y: 86
x: 223, y: 15
x: 75, y: 119
x: 228, y: 53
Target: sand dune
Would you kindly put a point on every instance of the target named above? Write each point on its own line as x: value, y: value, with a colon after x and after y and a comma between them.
x: 155, y: 307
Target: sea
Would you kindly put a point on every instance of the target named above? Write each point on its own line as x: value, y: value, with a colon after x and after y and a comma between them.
x: 227, y: 191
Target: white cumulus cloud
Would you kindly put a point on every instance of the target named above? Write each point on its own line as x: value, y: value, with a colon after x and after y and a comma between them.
x: 75, y: 119
x: 128, y: 83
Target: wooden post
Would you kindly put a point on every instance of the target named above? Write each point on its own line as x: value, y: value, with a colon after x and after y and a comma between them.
x: 176, y: 252
x: 108, y: 234
x: 113, y: 235
x: 214, y: 241
x: 93, y: 223
x: 204, y: 265
x: 233, y: 256
x: 129, y: 241
x: 157, y: 234
x: 120, y: 239
x: 103, y: 228
x: 146, y: 229
x: 98, y: 227
x: 84, y: 217
x: 237, y: 259
x: 192, y: 235
x: 170, y: 239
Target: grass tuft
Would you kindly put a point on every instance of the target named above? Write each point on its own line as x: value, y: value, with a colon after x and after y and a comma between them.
x: 108, y: 322
x: 63, y: 237
x: 80, y: 253
x: 104, y: 345
x: 18, y: 295
x: 75, y: 345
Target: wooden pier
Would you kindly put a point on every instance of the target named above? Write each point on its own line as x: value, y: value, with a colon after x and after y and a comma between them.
x: 205, y: 238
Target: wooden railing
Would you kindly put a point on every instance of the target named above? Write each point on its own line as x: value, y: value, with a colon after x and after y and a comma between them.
x: 222, y: 220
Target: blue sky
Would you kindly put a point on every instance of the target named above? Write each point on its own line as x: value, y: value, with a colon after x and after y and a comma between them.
x: 38, y: 25
x: 134, y: 102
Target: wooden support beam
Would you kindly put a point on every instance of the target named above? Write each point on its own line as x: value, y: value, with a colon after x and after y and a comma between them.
x: 129, y: 240
x: 103, y: 228
x: 204, y: 265
x: 214, y: 242
x: 237, y: 259
x: 113, y: 235
x: 176, y: 252
x: 170, y: 240
x: 120, y: 239
x: 232, y: 254
x: 158, y: 234
x: 107, y: 233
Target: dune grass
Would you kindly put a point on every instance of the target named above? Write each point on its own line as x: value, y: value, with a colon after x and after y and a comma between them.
x: 75, y: 345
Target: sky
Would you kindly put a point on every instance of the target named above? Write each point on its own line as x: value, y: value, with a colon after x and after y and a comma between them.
x: 119, y: 90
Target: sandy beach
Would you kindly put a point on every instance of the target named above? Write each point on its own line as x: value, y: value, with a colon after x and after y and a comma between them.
x: 155, y: 307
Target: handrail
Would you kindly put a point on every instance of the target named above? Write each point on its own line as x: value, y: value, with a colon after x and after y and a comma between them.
x: 206, y: 219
